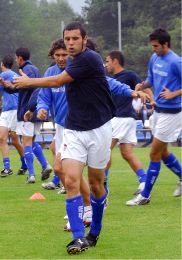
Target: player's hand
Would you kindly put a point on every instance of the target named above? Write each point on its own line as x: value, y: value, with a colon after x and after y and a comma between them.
x: 140, y: 86
x: 28, y: 116
x: 144, y: 96
x: 42, y: 114
x: 167, y: 94
x: 6, y: 83
x: 22, y: 81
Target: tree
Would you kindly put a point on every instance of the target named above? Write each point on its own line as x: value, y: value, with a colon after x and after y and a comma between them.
x: 138, y: 19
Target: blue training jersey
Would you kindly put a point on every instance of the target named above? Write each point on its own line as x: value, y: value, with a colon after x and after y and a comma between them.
x: 118, y: 89
x: 124, y: 107
x: 165, y: 71
x: 10, y: 102
x: 89, y: 99
x: 54, y: 98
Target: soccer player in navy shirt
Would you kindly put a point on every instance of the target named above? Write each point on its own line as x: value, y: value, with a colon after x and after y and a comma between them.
x: 124, y: 124
x: 164, y: 75
x: 88, y: 123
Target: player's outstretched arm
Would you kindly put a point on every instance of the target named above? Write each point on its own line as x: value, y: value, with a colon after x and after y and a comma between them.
x: 47, y: 82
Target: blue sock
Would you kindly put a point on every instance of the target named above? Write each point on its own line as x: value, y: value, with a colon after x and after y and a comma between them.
x: 75, y: 209
x: 172, y: 163
x: 23, y: 163
x: 141, y: 175
x: 97, y: 214
x: 28, y: 154
x: 152, y: 174
x: 56, y: 179
x: 6, y: 163
x: 106, y: 173
x: 37, y: 150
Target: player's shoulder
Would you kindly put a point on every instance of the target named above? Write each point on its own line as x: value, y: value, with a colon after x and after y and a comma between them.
x: 8, y: 74
x: 53, y: 70
x: 130, y: 72
x: 88, y: 53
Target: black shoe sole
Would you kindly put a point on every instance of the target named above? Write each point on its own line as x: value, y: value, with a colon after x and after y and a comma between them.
x: 76, y: 250
x: 45, y: 176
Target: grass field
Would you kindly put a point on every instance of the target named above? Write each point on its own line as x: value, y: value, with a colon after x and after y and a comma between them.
x: 34, y: 229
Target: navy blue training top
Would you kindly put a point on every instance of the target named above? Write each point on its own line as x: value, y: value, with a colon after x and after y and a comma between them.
x: 89, y: 99
x: 123, y: 105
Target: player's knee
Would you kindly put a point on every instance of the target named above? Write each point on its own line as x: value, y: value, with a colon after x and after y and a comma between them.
x: 2, y: 140
x: 155, y: 156
x: 126, y: 156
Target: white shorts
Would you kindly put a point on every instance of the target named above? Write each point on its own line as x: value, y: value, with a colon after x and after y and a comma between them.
x: 28, y: 128
x: 58, y: 137
x: 8, y: 119
x: 124, y: 129
x: 166, y: 127
x: 90, y: 147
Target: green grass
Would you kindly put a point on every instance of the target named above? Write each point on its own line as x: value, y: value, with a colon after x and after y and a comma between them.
x: 34, y: 229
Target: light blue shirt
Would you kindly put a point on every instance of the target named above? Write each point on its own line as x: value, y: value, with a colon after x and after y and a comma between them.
x: 10, y: 101
x: 165, y: 71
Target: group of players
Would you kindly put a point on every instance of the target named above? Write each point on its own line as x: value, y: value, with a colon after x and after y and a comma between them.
x: 93, y: 113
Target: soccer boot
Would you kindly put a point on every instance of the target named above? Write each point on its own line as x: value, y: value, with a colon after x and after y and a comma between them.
x: 62, y: 190
x: 67, y: 227
x: 31, y: 179
x: 6, y: 172
x: 46, y: 172
x: 21, y: 171
x: 91, y: 239
x: 49, y: 186
x: 140, y: 188
x: 178, y: 190
x: 138, y: 200
x: 77, y: 246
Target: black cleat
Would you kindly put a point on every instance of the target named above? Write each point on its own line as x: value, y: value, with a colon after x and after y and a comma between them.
x: 46, y: 172
x: 6, y: 172
x: 91, y: 239
x: 21, y: 171
x: 77, y: 246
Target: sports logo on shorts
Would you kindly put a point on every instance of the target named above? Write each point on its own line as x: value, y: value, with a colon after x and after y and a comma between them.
x: 65, y: 146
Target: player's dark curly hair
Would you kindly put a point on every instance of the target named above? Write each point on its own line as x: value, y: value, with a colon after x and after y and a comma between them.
x: 57, y: 44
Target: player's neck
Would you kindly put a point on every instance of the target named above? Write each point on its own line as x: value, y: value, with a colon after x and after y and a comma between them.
x: 118, y: 70
x: 4, y: 69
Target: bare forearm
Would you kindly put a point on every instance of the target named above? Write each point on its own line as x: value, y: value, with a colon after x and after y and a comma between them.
x: 47, y: 82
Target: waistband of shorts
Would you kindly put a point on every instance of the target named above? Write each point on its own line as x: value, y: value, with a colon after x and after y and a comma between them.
x: 168, y: 110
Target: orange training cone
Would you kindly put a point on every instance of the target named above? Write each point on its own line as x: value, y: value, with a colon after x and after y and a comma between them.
x: 37, y: 196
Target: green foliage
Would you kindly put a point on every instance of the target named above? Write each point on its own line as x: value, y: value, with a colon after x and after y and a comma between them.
x: 138, y: 19
x: 34, y: 24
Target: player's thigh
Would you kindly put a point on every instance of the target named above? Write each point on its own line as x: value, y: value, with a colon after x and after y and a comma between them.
x: 3, y: 133
x: 74, y: 146
x: 98, y: 145
x: 167, y: 127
